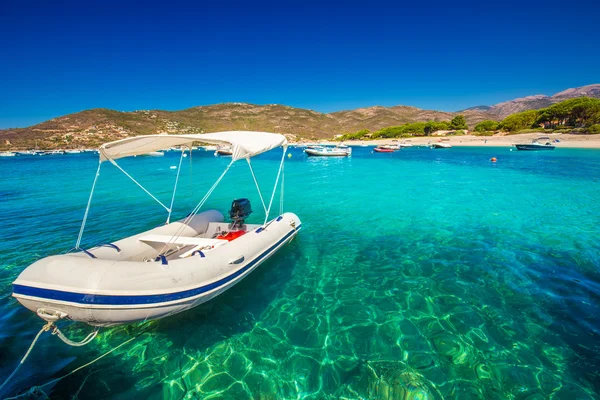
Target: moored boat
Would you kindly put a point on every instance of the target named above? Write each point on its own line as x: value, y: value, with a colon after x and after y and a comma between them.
x: 535, y: 145
x: 382, y: 149
x: 328, y: 151
x: 7, y: 154
x: 442, y: 144
x: 168, y: 269
x: 223, y: 151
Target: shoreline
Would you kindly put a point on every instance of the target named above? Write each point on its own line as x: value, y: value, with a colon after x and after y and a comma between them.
x: 566, y: 140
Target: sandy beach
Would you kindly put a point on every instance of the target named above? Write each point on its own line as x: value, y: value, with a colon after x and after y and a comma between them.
x: 566, y: 140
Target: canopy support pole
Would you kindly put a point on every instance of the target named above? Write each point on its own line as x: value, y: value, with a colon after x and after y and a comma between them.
x: 256, y: 183
x: 197, y: 208
x: 282, y: 186
x: 276, y: 182
x: 175, y: 187
x: 87, y: 209
x: 113, y: 162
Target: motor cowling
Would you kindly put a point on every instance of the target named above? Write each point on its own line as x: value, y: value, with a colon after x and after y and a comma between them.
x: 240, y: 210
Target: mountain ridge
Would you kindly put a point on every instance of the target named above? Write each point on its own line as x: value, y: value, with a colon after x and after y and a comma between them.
x: 90, y: 128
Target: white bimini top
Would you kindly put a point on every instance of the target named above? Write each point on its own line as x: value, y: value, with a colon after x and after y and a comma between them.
x: 244, y: 144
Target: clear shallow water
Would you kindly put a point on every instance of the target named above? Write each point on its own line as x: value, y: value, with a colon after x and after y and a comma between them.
x: 425, y: 274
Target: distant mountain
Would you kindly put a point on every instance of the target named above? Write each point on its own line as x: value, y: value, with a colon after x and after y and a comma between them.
x: 91, y: 128
x: 589, y: 91
x: 477, y: 108
x: 540, y: 101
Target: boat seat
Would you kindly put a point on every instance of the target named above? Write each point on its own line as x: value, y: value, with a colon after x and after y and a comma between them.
x: 182, y: 240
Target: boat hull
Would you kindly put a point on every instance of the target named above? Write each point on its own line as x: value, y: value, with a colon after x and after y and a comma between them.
x: 533, y: 147
x: 105, y: 292
x: 329, y: 153
x: 380, y: 150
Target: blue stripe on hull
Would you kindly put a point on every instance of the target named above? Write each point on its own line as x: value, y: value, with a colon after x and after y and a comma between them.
x: 119, y: 300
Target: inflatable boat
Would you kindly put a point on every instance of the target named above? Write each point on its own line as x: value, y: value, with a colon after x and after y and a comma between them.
x: 328, y: 152
x: 168, y: 269
x: 223, y: 151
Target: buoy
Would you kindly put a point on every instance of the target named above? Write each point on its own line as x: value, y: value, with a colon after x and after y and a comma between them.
x: 493, y: 159
x: 289, y: 155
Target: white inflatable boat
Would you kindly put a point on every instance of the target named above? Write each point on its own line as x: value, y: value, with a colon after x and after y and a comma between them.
x: 168, y: 269
x: 328, y: 152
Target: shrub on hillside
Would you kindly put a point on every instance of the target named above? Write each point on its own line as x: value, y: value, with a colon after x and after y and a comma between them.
x: 594, y: 129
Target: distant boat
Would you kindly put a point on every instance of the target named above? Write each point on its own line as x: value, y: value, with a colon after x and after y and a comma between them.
x: 151, y: 154
x: 443, y: 144
x: 405, y: 144
x: 328, y: 151
x: 27, y: 153
x: 535, y: 145
x: 383, y: 150
x: 7, y: 154
x: 54, y: 152
x: 224, y: 151
x: 72, y: 151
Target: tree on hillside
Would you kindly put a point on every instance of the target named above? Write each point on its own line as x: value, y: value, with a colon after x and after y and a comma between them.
x: 486, y: 126
x: 518, y: 121
x: 355, y: 136
x: 433, y: 126
x: 573, y: 112
x: 458, y: 122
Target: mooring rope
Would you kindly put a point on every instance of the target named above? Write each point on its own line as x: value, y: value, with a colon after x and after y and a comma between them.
x: 38, y: 389
x: 44, y: 329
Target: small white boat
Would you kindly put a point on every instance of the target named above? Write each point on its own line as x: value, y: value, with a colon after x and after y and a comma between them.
x: 7, y: 154
x: 209, y: 148
x: 328, y: 151
x: 443, y: 144
x: 72, y: 151
x: 535, y: 145
x: 154, y: 154
x: 27, y: 152
x: 224, y: 151
x: 168, y: 269
x: 54, y: 153
x: 405, y: 143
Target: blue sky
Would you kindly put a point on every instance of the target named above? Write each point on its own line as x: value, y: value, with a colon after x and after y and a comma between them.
x: 63, y: 57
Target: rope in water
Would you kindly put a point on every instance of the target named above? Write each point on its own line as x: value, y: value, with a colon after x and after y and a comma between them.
x: 88, y: 339
x: 44, y: 329
x: 60, y: 335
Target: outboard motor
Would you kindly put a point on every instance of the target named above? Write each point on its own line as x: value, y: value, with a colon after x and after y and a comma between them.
x: 240, y: 210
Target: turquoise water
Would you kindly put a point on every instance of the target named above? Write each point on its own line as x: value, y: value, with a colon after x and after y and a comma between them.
x: 423, y: 274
